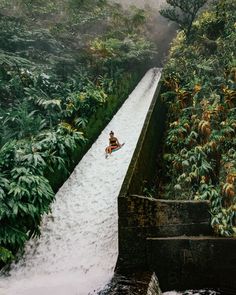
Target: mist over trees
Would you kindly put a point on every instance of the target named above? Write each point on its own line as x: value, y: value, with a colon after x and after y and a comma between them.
x: 183, y: 12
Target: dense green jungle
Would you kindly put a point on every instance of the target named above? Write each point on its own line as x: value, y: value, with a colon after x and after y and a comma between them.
x: 66, y: 66
x: 198, y: 159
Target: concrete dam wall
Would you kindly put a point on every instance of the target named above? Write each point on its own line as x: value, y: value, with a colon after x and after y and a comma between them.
x: 171, y: 238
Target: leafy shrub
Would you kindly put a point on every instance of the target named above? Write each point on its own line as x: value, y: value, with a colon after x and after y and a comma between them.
x: 199, y: 89
x: 57, y: 93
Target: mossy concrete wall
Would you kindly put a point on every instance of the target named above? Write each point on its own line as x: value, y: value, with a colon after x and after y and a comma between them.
x: 174, y: 239
x: 171, y: 238
x: 143, y: 164
x: 187, y: 262
x: 141, y: 218
x: 141, y: 170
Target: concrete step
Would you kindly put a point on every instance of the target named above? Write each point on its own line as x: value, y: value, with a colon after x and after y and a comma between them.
x: 158, y: 217
x: 150, y: 211
x: 194, y: 262
x: 182, y: 211
x: 188, y: 229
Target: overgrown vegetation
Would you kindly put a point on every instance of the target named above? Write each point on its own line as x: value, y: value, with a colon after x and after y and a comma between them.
x: 199, y: 86
x: 62, y: 63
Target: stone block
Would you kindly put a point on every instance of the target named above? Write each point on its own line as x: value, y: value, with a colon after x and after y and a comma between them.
x: 193, y: 262
x: 132, y: 249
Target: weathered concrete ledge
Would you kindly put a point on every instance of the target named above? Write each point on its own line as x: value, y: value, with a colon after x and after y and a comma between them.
x: 186, y: 262
x: 141, y: 218
x: 140, y: 171
x: 172, y: 238
x: 143, y: 164
x: 140, y: 210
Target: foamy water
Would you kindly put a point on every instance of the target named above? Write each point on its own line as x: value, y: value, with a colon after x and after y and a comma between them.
x: 77, y: 251
x: 193, y: 292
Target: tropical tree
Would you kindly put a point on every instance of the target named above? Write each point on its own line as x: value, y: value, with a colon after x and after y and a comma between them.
x: 183, y: 12
x: 199, y: 88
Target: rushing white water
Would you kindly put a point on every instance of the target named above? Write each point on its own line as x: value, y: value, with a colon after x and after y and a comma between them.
x: 192, y: 292
x: 77, y: 250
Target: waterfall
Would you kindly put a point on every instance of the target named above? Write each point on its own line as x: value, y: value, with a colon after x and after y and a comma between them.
x: 77, y: 251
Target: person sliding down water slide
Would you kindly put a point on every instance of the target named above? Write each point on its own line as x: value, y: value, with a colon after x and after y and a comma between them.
x: 113, y: 144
